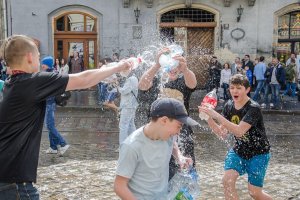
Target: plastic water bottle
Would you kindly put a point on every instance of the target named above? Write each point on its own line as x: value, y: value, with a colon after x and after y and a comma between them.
x: 184, y: 186
x: 211, y: 100
x: 136, y: 62
x: 166, y: 60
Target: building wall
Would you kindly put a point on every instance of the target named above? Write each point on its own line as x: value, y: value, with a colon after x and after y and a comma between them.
x: 116, y: 23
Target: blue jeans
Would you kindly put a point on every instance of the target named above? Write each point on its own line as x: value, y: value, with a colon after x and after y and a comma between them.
x: 102, y: 92
x: 292, y: 86
x: 275, y: 88
x: 126, y: 124
x: 21, y: 191
x: 54, y: 136
x: 259, y: 87
x: 225, y: 86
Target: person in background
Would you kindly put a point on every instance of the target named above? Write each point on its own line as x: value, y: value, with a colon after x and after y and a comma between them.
x: 249, y: 63
x: 249, y: 75
x: 143, y: 164
x: 243, y: 118
x: 214, y: 71
x: 57, y: 65
x: 128, y: 105
x: 290, y: 77
x: 234, y: 65
x: 77, y: 63
x: 259, y: 73
x: 64, y: 69
x: 58, y: 144
x: 102, y: 86
x: 115, y: 57
x: 224, y: 82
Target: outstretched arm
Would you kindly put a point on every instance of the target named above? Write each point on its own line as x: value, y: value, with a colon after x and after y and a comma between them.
x: 121, y: 188
x: 237, y: 129
x: 90, y: 78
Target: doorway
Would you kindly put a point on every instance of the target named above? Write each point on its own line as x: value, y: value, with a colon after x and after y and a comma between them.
x: 76, y: 32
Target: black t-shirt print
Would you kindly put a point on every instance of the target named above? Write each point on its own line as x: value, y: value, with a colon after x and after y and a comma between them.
x: 22, y: 112
x: 255, y: 141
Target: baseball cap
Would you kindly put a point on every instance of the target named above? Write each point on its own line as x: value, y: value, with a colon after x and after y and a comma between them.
x: 172, y: 108
x: 48, y: 60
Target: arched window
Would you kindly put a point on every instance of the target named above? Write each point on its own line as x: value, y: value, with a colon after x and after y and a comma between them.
x: 76, y: 32
x: 75, y: 22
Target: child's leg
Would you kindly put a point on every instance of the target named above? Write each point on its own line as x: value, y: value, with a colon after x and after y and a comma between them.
x: 256, y: 169
x: 229, y: 180
x: 257, y: 193
x: 234, y: 167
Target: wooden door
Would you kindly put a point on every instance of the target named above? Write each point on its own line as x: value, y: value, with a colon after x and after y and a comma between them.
x: 200, y: 47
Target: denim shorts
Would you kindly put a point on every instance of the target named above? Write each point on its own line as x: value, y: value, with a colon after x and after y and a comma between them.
x: 255, y: 167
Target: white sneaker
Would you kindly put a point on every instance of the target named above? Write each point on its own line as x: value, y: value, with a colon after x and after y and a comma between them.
x: 63, y: 149
x: 51, y: 151
x: 263, y: 105
x: 271, y: 105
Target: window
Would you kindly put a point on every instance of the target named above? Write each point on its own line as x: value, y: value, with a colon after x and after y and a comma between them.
x: 75, y: 22
x: 289, y: 26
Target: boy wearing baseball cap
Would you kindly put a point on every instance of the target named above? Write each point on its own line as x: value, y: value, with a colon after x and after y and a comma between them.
x: 143, y: 165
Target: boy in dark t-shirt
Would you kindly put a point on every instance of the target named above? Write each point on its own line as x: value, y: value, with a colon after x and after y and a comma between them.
x: 22, y: 112
x: 181, y: 83
x: 242, y: 117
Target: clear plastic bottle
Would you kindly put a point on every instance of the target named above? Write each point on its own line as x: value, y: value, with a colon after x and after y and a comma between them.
x: 211, y: 100
x: 166, y: 60
x: 184, y: 185
x: 136, y: 62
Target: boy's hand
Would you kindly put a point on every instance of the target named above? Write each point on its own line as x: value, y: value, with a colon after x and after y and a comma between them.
x: 206, y: 108
x: 185, y: 162
x: 182, y: 63
x: 125, y: 65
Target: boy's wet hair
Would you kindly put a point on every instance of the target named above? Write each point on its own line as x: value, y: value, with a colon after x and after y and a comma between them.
x: 239, y: 79
x: 15, y: 48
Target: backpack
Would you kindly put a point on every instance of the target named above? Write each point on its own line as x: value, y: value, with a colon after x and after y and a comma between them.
x: 62, y: 99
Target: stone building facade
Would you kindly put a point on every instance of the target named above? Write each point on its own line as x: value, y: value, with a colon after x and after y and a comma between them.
x: 226, y: 28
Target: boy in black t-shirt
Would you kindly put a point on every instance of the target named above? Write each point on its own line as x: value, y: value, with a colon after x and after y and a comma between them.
x: 242, y: 117
x: 22, y: 112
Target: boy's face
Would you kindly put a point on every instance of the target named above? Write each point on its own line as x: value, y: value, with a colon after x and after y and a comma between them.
x: 173, y: 74
x: 238, y: 92
x: 44, y: 67
x: 246, y: 67
x: 172, y: 128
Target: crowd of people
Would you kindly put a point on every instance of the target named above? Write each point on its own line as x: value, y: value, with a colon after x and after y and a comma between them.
x: 265, y: 78
x: 152, y: 154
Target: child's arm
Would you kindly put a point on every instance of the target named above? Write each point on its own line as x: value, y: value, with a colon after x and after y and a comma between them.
x: 146, y: 81
x: 90, y: 78
x: 219, y: 130
x: 121, y: 188
x: 184, y: 162
x: 189, y: 76
x: 236, y: 129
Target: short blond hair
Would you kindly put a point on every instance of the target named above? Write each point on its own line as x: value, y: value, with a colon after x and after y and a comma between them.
x: 15, y: 48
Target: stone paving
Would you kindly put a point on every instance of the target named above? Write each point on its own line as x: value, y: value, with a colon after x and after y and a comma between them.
x: 88, y: 168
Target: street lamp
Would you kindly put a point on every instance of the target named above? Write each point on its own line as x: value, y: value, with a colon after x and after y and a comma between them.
x: 240, y: 12
x: 137, y: 13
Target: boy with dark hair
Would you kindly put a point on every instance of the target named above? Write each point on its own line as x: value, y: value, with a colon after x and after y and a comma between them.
x: 242, y: 117
x: 143, y: 166
x: 22, y: 112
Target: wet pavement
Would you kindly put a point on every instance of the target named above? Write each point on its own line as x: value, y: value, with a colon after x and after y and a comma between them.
x: 87, y: 169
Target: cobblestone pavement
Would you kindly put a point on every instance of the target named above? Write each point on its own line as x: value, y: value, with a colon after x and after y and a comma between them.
x: 88, y: 168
